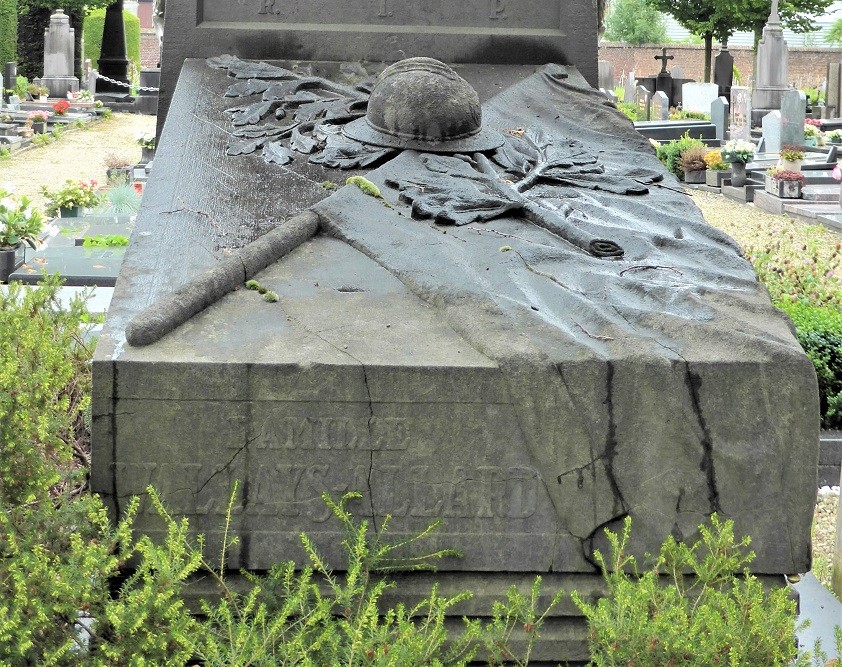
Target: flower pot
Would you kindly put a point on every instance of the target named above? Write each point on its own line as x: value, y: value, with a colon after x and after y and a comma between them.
x: 714, y: 177
x: 791, y: 165
x: 11, y: 259
x: 69, y: 212
x: 782, y: 189
x: 147, y: 155
x: 39, y: 128
x: 811, y: 141
x: 695, y: 177
x: 738, y: 174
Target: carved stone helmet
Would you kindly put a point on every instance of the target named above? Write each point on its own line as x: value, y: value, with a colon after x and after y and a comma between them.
x: 422, y: 104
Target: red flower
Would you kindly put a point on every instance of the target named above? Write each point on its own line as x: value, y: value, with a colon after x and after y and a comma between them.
x: 61, y: 107
x: 138, y: 187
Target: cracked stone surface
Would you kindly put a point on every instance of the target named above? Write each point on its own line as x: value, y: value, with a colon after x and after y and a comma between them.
x: 491, y: 374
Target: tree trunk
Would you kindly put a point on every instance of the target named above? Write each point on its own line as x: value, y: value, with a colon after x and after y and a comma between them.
x: 708, y: 49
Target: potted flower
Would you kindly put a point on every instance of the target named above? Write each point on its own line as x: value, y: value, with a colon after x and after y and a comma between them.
x: 74, y: 195
x: 834, y: 136
x: 811, y: 134
x: 736, y: 153
x: 791, y: 158
x: 85, y: 95
x: 37, y: 120
x: 118, y: 167
x: 33, y: 91
x: 20, y: 225
x: 717, y: 168
x: 692, y: 162
x: 784, y: 184
x: 147, y: 143
x: 61, y: 107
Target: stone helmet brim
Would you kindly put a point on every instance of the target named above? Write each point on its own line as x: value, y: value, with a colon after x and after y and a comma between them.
x: 484, y: 140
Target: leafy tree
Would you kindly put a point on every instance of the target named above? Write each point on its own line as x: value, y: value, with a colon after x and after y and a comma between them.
x: 834, y: 35
x: 796, y: 15
x: 709, y: 19
x: 635, y: 22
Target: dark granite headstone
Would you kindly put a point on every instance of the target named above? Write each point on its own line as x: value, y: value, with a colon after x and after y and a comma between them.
x: 527, y: 32
x: 113, y: 61
x: 10, y: 73
x: 723, y: 72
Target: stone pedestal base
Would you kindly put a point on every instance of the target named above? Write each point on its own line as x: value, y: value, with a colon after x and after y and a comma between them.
x: 59, y: 86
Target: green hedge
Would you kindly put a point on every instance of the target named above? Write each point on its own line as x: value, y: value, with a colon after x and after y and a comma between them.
x: 93, y: 27
x: 819, y: 331
x: 8, y: 33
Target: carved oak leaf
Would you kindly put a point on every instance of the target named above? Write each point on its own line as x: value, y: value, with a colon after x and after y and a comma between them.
x: 451, y: 192
x: 277, y: 153
x: 250, y: 114
x: 343, y: 153
x: 264, y: 130
x: 301, y: 143
x: 244, y: 147
x: 241, y: 69
x: 247, y: 88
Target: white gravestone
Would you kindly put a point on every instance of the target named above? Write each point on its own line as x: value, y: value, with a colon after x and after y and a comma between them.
x: 698, y: 96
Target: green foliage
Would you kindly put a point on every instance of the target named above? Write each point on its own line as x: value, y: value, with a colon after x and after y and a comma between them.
x: 121, y: 198
x: 93, y: 26
x: 631, y: 110
x: 44, y: 387
x: 106, y: 241
x: 834, y: 35
x: 21, y: 85
x: 720, y: 615
x: 5, y: 153
x: 8, y: 32
x: 819, y: 331
x: 634, y: 22
x: 41, y: 140
x: 670, y: 152
x: 366, y: 186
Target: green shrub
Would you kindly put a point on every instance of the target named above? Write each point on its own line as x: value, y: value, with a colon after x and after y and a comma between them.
x: 8, y: 33
x: 671, y: 151
x: 44, y: 388
x: 632, y: 111
x: 819, y: 331
x: 93, y: 26
x: 21, y: 86
x: 720, y: 615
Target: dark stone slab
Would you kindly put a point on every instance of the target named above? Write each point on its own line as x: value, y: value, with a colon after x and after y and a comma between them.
x: 661, y: 131
x: 81, y: 267
x: 498, y: 32
x: 103, y: 230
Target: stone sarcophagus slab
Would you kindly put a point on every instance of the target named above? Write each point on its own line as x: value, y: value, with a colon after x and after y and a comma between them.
x: 526, y: 331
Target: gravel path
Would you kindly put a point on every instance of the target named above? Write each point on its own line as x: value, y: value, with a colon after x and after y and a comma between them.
x: 80, y: 153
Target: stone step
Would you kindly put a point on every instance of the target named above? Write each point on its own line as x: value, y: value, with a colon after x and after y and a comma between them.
x: 827, y: 192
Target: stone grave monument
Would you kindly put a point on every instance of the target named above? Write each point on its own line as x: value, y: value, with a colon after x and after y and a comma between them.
x: 720, y: 117
x: 660, y: 108
x: 629, y: 85
x: 832, y: 93
x: 793, y: 115
x: 10, y: 73
x: 516, y: 322
x: 606, y: 74
x: 772, y: 125
x: 723, y: 72
x: 698, y: 96
x: 58, y: 56
x: 741, y: 101
x: 771, y: 75
x: 643, y: 99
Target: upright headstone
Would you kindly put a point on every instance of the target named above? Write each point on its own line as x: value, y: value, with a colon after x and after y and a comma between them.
x: 663, y: 81
x: 10, y: 74
x: 771, y: 70
x: 629, y: 87
x: 606, y: 75
x: 698, y: 96
x: 58, y: 56
x: 793, y: 115
x: 641, y: 99
x: 528, y: 32
x: 677, y: 73
x: 660, y: 106
x: 740, y: 127
x: 772, y: 123
x: 723, y: 72
x: 609, y: 95
x: 832, y: 94
x: 113, y: 61
x: 720, y: 117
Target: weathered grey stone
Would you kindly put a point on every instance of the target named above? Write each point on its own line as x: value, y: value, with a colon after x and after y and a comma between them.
x: 837, y: 556
x: 530, y: 32
x: 832, y: 94
x: 629, y: 89
x: 642, y: 97
x: 698, y: 96
x: 58, y: 56
x: 793, y: 115
x: 606, y: 74
x: 741, y: 104
x: 772, y: 124
x: 660, y: 106
x: 771, y: 78
x: 720, y: 116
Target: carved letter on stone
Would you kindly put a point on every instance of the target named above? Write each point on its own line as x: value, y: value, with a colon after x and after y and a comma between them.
x: 384, y: 9
x: 266, y: 6
x: 498, y: 9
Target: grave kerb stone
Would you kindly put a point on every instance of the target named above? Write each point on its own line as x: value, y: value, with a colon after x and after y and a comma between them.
x: 772, y: 123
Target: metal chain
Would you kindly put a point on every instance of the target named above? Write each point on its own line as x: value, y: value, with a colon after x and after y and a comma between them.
x: 126, y: 85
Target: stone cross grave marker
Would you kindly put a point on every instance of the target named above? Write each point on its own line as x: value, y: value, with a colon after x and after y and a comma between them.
x: 642, y: 99
x: 793, y: 115
x: 660, y: 106
x: 698, y: 96
x: 720, y: 117
x: 740, y: 113
x: 772, y: 123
